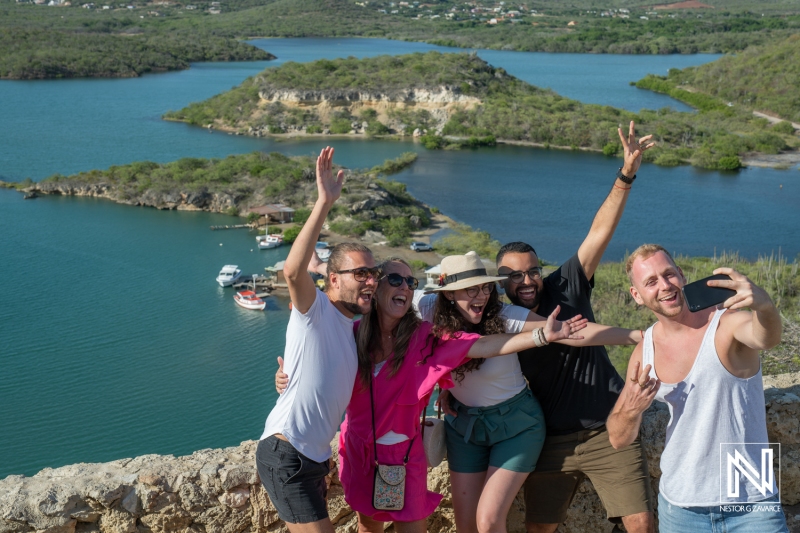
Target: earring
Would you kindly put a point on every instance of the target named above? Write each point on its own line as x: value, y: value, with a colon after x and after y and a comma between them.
x: 452, y: 302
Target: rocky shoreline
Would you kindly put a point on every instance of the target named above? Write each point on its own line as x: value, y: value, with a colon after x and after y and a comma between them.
x: 218, y: 490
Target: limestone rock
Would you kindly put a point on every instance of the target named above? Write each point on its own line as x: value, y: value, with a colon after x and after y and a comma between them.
x: 217, y: 491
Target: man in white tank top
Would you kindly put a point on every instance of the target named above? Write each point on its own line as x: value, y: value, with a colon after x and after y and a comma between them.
x: 705, y: 365
x: 294, y: 450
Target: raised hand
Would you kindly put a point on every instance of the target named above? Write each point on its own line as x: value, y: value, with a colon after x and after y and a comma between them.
x: 556, y: 330
x: 748, y: 294
x: 632, y: 149
x: 328, y: 186
x: 641, y: 389
x: 281, y: 379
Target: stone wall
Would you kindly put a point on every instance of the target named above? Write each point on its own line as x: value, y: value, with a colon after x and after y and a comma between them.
x: 218, y: 491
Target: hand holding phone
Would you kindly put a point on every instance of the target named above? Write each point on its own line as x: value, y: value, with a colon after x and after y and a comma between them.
x: 699, y: 295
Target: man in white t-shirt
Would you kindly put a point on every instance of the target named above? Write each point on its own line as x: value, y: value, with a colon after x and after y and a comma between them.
x: 294, y: 452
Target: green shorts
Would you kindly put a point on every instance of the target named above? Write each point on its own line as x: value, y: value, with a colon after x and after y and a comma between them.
x: 508, y: 435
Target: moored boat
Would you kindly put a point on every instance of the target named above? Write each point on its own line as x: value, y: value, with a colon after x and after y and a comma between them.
x: 270, y: 241
x: 228, y: 275
x: 323, y: 250
x: 249, y: 300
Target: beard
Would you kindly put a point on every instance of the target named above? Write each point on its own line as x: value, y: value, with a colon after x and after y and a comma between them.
x: 527, y: 303
x: 349, y: 300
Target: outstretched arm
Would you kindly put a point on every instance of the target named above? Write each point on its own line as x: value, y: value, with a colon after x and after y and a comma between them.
x: 608, y: 216
x: 301, y: 287
x: 640, y: 389
x: 506, y: 343
x: 759, y: 330
x: 592, y: 335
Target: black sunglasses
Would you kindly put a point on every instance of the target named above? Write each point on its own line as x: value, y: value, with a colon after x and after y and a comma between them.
x: 395, y: 280
x: 518, y: 276
x: 363, y: 273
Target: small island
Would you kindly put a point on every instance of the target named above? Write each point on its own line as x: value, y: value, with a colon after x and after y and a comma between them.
x: 458, y: 100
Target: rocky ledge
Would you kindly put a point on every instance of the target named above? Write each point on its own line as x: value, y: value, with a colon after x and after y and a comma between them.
x: 218, y: 490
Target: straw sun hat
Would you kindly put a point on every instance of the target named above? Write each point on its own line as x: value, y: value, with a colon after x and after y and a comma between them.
x: 462, y: 271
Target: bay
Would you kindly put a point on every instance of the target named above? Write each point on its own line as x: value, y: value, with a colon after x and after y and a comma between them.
x: 117, y: 342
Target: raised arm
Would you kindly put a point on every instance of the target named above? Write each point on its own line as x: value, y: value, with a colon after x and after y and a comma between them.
x: 608, y: 216
x: 506, y: 343
x: 301, y: 287
x: 759, y: 330
x: 638, y: 393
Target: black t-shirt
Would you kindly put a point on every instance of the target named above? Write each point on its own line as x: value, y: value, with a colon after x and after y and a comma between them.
x: 577, y: 387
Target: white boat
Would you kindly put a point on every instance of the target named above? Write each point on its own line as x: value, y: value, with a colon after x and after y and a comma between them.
x: 228, y: 275
x: 249, y: 300
x: 323, y: 250
x: 270, y: 241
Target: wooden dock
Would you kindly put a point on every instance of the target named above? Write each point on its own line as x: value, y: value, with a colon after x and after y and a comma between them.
x: 233, y: 226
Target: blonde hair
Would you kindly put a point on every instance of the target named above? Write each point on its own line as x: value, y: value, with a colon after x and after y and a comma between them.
x: 644, y: 252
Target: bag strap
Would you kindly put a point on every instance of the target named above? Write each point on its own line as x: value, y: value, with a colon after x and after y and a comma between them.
x: 374, y: 436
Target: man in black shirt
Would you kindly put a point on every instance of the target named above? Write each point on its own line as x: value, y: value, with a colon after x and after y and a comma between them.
x: 578, y: 387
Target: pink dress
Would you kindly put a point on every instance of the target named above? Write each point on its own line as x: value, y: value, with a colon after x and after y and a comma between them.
x: 399, y: 401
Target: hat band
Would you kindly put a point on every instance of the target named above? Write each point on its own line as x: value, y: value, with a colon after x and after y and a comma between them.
x: 462, y: 275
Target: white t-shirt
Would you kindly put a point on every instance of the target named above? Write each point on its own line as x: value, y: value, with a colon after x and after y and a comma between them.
x: 499, y: 378
x: 320, y: 358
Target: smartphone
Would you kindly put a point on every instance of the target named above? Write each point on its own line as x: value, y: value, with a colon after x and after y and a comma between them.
x: 699, y: 296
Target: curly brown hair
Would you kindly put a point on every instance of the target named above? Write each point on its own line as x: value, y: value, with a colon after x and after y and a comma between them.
x: 449, y: 322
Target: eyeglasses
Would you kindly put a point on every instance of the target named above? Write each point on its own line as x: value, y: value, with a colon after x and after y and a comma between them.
x: 487, y: 289
x: 362, y: 273
x: 395, y: 280
x: 518, y: 276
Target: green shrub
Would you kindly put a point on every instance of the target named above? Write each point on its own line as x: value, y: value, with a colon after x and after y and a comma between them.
x: 729, y: 162
x: 376, y: 127
x: 668, y: 159
x: 314, y: 128
x: 233, y: 211
x: 348, y: 227
x: 418, y: 265
x: 783, y: 127
x: 611, y: 149
x: 301, y: 214
x: 340, y: 126
x: 291, y: 233
x: 432, y: 142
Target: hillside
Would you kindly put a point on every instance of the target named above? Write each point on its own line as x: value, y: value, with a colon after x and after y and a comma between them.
x: 459, y: 99
x: 128, y: 39
x: 239, y: 182
x: 762, y: 78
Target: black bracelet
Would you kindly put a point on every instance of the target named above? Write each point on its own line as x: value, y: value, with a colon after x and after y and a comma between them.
x: 625, y: 179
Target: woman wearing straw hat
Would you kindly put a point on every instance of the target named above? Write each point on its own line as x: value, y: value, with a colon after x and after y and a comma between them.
x: 400, y: 362
x: 494, y: 441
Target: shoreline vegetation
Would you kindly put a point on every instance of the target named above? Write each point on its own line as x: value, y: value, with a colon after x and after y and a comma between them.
x: 383, y: 215
x: 96, y: 40
x: 453, y: 101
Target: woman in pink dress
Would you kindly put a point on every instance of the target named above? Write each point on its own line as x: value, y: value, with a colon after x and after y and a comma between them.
x: 400, y: 363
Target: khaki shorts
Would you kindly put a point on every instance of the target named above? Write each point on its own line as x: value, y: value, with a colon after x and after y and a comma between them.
x: 620, y: 477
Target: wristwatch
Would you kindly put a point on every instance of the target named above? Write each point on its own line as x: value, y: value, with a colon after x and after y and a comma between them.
x: 624, y: 178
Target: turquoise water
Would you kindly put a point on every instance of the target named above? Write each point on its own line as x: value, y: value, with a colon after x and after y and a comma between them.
x: 116, y: 341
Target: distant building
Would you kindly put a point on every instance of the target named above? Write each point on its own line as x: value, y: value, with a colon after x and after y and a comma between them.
x: 276, y: 213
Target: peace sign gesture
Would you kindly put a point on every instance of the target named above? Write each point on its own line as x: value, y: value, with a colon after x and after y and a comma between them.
x: 632, y: 149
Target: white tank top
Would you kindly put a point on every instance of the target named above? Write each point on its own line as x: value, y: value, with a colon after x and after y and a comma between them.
x: 709, y: 408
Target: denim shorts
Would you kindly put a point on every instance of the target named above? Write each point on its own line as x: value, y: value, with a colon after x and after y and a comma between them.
x: 762, y: 517
x: 508, y: 435
x: 295, y: 484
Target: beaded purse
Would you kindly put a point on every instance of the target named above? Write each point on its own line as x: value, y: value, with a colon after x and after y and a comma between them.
x: 389, y: 486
